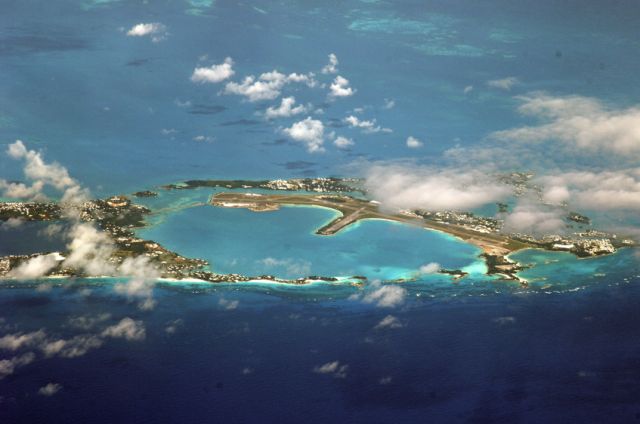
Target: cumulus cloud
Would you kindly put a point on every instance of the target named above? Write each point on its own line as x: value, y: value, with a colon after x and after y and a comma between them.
x: 367, y: 126
x: 410, y: 187
x: 606, y: 190
x: 21, y: 340
x: 87, y: 322
x: 11, y: 224
x: 41, y: 173
x: 204, y: 138
x: 533, y: 218
x: 142, y: 276
x: 504, y: 320
x: 71, y: 348
x: 340, y: 88
x: 332, y: 66
x: 468, y: 89
x: 172, y: 326
x: 386, y: 296
x: 286, y: 109
x: 583, y: 124
x: 8, y: 366
x: 343, y: 142
x: 77, y: 345
x: 50, y: 389
x: 389, y: 103
x: 291, y: 266
x: 214, y: 73
x: 229, y: 305
x: 388, y: 322
x: 23, y: 191
x: 503, y: 84
x: 335, y: 368
x: 127, y: 329
x: 155, y: 30
x: 430, y: 268
x: 90, y: 250
x: 308, y: 131
x: 267, y: 86
x: 35, y: 267
x: 414, y: 143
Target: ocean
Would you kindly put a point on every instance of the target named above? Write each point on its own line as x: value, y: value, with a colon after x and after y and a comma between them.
x: 121, y: 114
x: 459, y: 356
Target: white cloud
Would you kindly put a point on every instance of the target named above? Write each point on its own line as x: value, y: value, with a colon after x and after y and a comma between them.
x: 606, y: 190
x: 156, y: 30
x: 389, y: 103
x: 533, y: 218
x: 21, y: 340
x: 142, y: 274
x: 229, y: 305
x: 23, y: 191
x: 127, y: 329
x: 71, y: 348
x: 343, y: 142
x: 50, y: 389
x: 334, y: 368
x: 504, y: 83
x: 87, y: 322
x: 285, y: 110
x: 204, y: 139
x: 267, y: 86
x: 35, y: 267
x: 468, y: 89
x: 367, y: 126
x: 214, y: 73
x: 12, y: 224
x: 308, y: 131
x: 255, y: 90
x: 8, y: 366
x: 583, y: 124
x: 41, y: 173
x: 90, y: 250
x: 409, y: 187
x: 172, y: 326
x: 430, y: 268
x: 414, y: 143
x: 185, y: 103
x: 388, y: 322
x: 387, y: 296
x: 307, y: 79
x: 332, y: 66
x: 340, y: 88
x: 504, y: 320
x: 292, y: 266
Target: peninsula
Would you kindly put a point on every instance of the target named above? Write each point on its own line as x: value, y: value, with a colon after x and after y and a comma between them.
x: 483, y: 232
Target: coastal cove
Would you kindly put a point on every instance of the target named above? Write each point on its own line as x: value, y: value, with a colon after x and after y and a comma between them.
x: 235, y: 241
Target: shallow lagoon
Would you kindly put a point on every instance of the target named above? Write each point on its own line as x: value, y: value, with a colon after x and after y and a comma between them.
x: 283, y: 243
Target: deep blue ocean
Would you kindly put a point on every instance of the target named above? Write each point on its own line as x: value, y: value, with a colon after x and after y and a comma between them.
x: 559, y: 357
x: 121, y: 114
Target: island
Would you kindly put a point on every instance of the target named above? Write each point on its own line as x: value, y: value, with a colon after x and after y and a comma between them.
x: 118, y: 217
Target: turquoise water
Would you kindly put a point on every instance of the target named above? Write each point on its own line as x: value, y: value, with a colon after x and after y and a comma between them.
x: 283, y: 243
x: 561, y: 270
